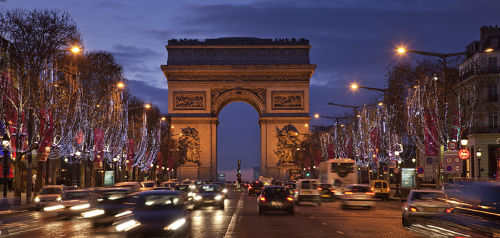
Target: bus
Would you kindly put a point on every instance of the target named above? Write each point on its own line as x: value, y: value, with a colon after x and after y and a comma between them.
x: 338, y: 173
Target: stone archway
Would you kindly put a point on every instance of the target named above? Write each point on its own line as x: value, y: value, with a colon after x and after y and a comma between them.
x: 205, y: 76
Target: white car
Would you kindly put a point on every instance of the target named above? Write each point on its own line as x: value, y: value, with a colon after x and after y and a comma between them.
x: 307, y: 191
x: 358, y: 195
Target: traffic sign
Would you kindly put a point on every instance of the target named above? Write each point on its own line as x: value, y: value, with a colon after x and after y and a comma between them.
x: 420, y: 170
x: 464, y: 154
x: 452, y: 145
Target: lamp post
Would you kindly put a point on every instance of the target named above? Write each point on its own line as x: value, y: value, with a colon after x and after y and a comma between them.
x: 478, y: 155
x: 5, y: 144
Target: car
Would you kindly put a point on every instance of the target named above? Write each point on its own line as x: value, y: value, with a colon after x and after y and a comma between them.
x: 73, y: 203
x: 276, y: 198
x: 109, y: 202
x: 209, y: 195
x: 169, y: 185
x: 307, y: 191
x: 278, y: 183
x: 327, y: 192
x: 155, y: 213
x: 223, y: 186
x: 358, y: 195
x: 147, y: 185
x: 381, y: 189
x: 424, y: 204
x: 255, y: 188
x: 49, y: 195
x: 133, y: 186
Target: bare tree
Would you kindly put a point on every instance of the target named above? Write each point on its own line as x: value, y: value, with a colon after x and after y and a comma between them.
x: 35, y: 39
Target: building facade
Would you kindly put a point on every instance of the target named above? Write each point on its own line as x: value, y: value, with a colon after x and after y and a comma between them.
x: 482, y: 63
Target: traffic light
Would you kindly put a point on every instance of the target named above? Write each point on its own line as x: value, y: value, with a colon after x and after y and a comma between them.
x: 308, y: 174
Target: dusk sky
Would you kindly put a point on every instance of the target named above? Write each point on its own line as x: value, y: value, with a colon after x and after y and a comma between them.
x: 351, y: 41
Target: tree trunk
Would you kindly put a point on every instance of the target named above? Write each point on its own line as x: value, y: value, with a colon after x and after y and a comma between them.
x: 18, y: 176
x: 39, y: 177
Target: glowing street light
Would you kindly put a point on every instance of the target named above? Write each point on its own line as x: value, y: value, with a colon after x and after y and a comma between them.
x: 147, y: 106
x: 75, y: 49
x: 401, y: 50
x: 354, y: 86
x: 120, y: 85
x: 163, y: 118
x: 316, y: 115
x: 488, y: 50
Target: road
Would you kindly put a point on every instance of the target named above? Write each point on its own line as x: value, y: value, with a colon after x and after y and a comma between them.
x: 240, y: 218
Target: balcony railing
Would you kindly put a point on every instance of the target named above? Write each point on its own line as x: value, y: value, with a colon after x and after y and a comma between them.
x: 482, y: 71
x: 484, y: 130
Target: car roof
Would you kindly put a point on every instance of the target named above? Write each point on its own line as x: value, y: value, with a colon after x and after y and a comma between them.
x: 126, y: 183
x: 159, y: 192
x: 275, y: 186
x: 427, y: 191
x: 363, y: 185
x: 54, y: 186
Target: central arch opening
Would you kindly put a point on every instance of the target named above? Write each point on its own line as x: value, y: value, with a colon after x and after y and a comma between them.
x: 238, y: 138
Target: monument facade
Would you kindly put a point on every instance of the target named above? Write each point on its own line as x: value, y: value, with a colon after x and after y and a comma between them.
x: 204, y: 76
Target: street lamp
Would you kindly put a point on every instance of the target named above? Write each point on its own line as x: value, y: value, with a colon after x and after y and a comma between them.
x: 147, y: 106
x: 120, y: 85
x: 75, y: 49
x: 464, y: 142
x: 355, y: 86
x: 478, y: 155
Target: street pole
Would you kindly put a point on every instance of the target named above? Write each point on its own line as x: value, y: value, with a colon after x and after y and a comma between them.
x: 5, y: 170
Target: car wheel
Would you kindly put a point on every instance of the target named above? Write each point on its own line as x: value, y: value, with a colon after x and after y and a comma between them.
x: 291, y: 211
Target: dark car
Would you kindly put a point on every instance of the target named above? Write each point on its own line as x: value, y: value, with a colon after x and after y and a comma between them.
x: 155, y: 213
x: 327, y: 192
x: 276, y: 198
x: 110, y: 202
x: 209, y: 195
x: 255, y: 188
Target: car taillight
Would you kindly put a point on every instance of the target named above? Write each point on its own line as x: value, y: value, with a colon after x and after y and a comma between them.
x: 249, y: 187
x: 319, y: 189
x: 370, y: 193
x: 413, y: 209
x: 332, y: 191
x: 348, y: 193
x: 289, y: 198
x: 373, y: 189
x: 388, y: 189
x: 449, y: 210
x: 262, y: 199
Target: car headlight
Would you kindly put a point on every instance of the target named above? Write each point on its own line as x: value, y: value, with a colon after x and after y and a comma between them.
x: 224, y: 190
x: 128, y: 225
x: 93, y: 213
x: 192, y: 186
x: 37, y: 199
x: 58, y: 199
x: 175, y: 225
x: 218, y: 197
x: 197, y: 198
x: 80, y: 207
x: 53, y: 208
x: 190, y: 194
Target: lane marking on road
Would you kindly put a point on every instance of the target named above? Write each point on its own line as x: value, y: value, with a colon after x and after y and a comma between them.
x: 231, y: 229
x: 311, y: 217
x: 324, y: 224
x: 340, y: 232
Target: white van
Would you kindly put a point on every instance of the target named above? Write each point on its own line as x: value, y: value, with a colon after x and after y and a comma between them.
x: 307, y: 191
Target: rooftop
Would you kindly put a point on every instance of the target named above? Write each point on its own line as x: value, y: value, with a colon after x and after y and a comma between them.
x: 239, y: 41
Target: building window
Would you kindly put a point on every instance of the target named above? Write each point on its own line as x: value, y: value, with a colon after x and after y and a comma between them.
x: 492, y: 65
x: 492, y: 93
x: 493, y: 119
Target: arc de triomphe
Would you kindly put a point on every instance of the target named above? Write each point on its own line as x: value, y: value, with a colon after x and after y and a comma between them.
x: 271, y: 75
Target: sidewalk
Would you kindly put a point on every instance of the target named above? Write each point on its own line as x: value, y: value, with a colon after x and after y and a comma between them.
x: 11, y: 203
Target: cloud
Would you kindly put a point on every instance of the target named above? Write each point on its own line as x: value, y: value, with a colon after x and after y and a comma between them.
x: 154, y: 95
x: 109, y: 4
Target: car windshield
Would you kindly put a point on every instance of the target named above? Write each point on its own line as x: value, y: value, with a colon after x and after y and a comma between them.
x: 209, y: 189
x: 377, y: 185
x: 183, y: 187
x: 154, y: 201
x: 307, y: 185
x: 427, y: 196
x: 359, y: 189
x: 124, y: 185
x: 76, y: 195
x: 148, y: 185
x: 50, y: 191
x: 325, y: 186
x: 276, y: 192
x: 257, y: 185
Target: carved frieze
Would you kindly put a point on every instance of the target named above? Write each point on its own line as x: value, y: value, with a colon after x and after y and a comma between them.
x: 187, y: 100
x: 287, y: 100
x: 288, y: 142
x: 189, y: 145
x: 217, y: 77
x: 259, y: 92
